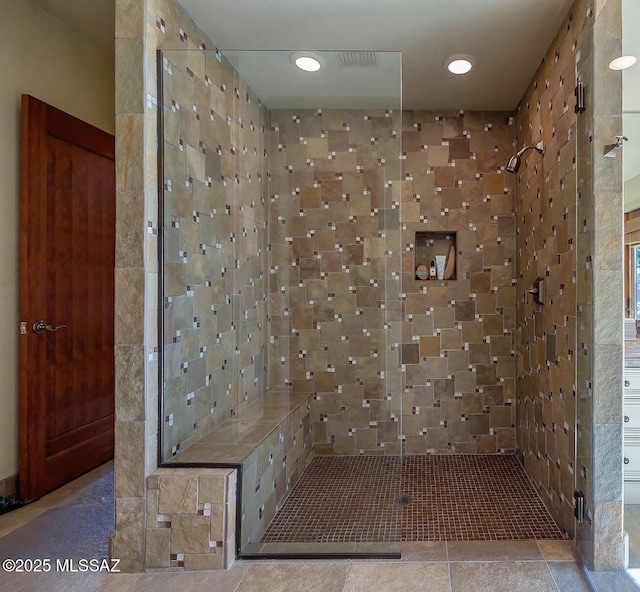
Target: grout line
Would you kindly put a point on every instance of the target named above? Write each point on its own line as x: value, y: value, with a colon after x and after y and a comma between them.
x: 244, y: 575
x: 130, y: 588
x: 552, y: 578
x: 449, y: 569
x: 346, y: 579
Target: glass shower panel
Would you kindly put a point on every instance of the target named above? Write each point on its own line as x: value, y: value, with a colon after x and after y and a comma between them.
x: 584, y: 294
x: 281, y: 286
x: 334, y: 141
x: 212, y: 242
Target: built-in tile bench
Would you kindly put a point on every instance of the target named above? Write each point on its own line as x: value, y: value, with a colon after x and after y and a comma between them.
x: 270, y: 441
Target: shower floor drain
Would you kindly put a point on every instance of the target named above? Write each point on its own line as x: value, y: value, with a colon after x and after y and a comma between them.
x: 403, y: 500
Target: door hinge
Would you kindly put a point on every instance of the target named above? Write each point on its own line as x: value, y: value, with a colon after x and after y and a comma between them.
x: 23, y: 327
x: 579, y: 94
x: 578, y: 509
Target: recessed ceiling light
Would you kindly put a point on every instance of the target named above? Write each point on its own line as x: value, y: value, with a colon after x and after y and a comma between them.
x: 460, y: 63
x: 308, y: 64
x: 307, y: 61
x: 623, y: 62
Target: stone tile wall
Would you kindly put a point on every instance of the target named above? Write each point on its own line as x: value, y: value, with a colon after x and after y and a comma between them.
x: 334, y: 245
x: 191, y: 515
x: 345, y: 248
x: 135, y: 272
x: 606, y: 266
x: 460, y: 395
x: 141, y: 29
x: 546, y: 248
x: 214, y: 249
x: 570, y: 354
x: 547, y: 243
x: 273, y: 469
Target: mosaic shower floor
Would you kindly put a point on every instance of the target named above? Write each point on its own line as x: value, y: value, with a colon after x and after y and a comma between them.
x: 453, y: 498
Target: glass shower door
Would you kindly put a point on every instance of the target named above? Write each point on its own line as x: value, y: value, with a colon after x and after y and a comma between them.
x: 584, y: 295
x: 281, y: 291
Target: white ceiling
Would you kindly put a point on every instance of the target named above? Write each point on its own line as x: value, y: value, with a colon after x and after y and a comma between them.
x: 281, y: 85
x: 507, y: 37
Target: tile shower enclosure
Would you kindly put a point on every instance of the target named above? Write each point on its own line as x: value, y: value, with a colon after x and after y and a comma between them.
x: 546, y: 397
x: 290, y: 257
x: 321, y: 289
x: 353, y: 216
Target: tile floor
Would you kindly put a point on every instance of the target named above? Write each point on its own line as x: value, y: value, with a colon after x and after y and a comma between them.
x: 453, y: 498
x: 434, y: 566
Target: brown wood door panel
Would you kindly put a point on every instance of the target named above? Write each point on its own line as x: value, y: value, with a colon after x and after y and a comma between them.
x: 83, y: 457
x: 67, y: 269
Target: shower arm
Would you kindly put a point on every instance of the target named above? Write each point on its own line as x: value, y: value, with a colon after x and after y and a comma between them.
x: 539, y: 147
x: 514, y: 162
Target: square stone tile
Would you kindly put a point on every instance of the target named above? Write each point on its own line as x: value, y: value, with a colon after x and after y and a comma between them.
x: 502, y: 577
x: 295, y: 577
x: 493, y: 550
x: 397, y: 577
x: 557, y: 550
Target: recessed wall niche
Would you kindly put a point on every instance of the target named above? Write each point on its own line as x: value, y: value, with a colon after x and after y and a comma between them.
x: 435, y: 249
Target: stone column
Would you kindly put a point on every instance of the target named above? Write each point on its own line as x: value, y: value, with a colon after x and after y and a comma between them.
x: 134, y: 281
x: 608, y: 300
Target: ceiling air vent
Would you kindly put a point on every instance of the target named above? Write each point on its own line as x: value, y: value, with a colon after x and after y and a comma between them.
x: 357, y: 58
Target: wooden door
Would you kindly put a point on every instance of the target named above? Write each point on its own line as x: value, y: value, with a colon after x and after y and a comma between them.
x: 67, y: 246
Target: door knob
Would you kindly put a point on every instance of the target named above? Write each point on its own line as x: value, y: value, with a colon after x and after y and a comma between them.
x: 40, y: 327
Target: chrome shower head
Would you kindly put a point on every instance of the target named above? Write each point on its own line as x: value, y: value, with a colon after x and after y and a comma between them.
x: 514, y: 162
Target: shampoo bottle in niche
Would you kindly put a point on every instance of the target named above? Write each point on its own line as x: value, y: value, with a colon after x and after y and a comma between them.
x: 432, y: 270
x: 440, y: 260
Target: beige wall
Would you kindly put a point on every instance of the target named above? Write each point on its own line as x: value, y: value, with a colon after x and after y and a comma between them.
x: 43, y: 58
